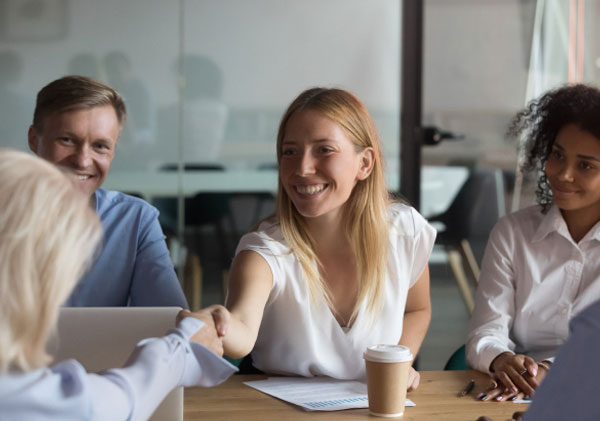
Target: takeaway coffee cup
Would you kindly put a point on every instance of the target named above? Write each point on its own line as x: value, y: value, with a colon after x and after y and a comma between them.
x: 387, y: 377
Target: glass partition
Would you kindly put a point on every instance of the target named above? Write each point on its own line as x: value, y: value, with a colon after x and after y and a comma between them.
x: 205, y: 83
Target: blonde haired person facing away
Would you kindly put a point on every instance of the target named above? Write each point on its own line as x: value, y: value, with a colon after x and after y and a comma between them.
x: 339, y: 266
x: 48, y: 233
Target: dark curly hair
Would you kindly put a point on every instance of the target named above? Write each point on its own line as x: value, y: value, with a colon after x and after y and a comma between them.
x: 542, y: 119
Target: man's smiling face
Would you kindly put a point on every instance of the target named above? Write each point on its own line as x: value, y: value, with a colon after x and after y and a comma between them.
x: 82, y: 141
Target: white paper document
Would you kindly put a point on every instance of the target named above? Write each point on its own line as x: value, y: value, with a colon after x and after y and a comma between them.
x: 317, y: 393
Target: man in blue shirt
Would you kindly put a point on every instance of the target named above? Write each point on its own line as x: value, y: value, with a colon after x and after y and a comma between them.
x: 76, y: 125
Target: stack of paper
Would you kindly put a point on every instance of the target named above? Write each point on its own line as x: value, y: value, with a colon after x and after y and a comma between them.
x: 317, y: 393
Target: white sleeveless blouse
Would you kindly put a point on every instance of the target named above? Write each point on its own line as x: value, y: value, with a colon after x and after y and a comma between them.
x: 300, y: 338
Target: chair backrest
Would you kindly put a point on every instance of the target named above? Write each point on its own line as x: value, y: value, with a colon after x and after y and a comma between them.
x: 477, y: 205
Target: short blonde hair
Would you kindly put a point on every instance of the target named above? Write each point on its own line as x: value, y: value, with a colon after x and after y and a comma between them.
x: 366, y: 221
x: 48, y: 233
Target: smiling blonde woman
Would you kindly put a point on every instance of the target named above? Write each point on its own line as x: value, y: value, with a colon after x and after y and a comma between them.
x: 339, y: 267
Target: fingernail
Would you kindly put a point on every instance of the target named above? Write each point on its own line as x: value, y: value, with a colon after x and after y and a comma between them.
x: 481, y: 395
x: 534, y: 372
x: 499, y: 398
x: 482, y: 398
x: 514, y: 398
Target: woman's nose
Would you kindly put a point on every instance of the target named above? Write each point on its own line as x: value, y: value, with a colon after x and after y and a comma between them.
x: 306, y: 164
x: 566, y: 173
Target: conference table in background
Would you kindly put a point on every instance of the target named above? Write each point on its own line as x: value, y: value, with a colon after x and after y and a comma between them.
x: 435, y: 399
x: 439, y: 184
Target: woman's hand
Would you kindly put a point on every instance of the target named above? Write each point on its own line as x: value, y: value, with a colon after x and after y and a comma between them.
x: 413, y: 379
x: 207, y: 335
x: 514, y: 377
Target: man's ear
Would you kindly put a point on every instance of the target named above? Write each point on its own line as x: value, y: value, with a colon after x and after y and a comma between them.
x: 367, y: 162
x: 32, y: 139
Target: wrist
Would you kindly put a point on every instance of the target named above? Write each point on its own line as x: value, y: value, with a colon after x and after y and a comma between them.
x: 546, y: 364
x: 499, y: 358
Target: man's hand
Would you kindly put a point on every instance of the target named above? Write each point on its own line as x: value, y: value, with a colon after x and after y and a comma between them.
x: 207, y: 336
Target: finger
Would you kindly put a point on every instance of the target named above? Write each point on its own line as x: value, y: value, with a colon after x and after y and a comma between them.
x: 415, y: 381
x: 483, y: 395
x: 522, y: 382
x: 531, y: 366
x: 505, y: 378
x: 518, y: 396
x: 221, y: 317
x: 181, y: 315
x: 505, y: 395
x: 490, y: 394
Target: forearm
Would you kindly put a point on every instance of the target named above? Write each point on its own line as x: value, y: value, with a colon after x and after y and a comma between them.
x: 239, y: 338
x: 414, y: 329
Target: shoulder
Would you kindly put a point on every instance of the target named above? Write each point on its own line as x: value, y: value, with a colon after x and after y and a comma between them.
x: 406, y: 221
x: 268, y: 236
x: 110, y: 201
x: 523, y: 222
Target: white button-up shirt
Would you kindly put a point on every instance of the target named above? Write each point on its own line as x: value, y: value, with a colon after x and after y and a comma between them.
x: 534, y: 279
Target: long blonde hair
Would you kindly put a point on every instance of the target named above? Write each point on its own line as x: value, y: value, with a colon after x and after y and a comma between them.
x: 365, y: 216
x: 48, y: 233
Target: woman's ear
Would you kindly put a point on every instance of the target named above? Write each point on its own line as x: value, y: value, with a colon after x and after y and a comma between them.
x: 367, y: 162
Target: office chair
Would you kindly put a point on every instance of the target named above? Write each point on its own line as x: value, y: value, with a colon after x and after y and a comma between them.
x: 471, y: 216
x: 201, y: 211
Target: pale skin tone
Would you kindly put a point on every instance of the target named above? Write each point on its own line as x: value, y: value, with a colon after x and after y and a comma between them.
x: 82, y: 141
x: 207, y: 336
x: 573, y: 172
x: 319, y: 168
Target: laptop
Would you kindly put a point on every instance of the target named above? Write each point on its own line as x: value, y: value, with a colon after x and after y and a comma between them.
x: 104, y: 337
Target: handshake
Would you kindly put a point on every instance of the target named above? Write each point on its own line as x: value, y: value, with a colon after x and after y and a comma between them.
x: 215, y: 318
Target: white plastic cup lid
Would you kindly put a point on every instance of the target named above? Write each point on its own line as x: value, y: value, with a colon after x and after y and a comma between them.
x: 388, y: 353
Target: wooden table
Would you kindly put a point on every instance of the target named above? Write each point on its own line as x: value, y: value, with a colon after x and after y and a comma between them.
x: 436, y: 399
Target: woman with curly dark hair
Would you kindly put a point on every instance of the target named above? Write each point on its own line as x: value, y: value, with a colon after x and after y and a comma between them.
x: 541, y: 264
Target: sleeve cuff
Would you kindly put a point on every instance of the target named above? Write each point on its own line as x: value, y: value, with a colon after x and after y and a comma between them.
x: 202, y: 366
x: 481, y: 359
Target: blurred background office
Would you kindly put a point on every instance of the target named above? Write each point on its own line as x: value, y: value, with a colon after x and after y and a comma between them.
x: 206, y: 81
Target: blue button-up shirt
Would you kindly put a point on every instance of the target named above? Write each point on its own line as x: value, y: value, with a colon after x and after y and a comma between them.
x: 133, y: 266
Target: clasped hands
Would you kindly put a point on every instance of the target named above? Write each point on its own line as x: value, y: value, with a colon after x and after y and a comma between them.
x: 214, y: 329
x: 514, y: 376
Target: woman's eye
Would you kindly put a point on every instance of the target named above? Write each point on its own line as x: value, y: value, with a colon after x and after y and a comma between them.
x: 326, y: 149
x: 287, y: 152
x: 584, y: 165
x: 556, y: 154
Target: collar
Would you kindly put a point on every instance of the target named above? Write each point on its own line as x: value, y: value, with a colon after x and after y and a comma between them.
x: 551, y: 222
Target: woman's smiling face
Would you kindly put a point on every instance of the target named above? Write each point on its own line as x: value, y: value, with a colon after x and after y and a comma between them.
x: 319, y: 164
x: 573, y: 170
